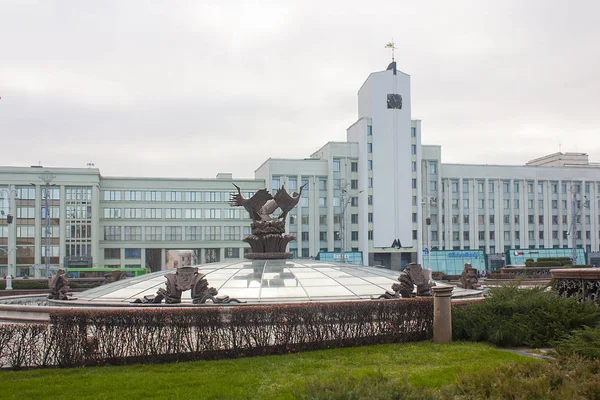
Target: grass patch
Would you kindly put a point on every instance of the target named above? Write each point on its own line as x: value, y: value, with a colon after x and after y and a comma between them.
x: 422, y: 365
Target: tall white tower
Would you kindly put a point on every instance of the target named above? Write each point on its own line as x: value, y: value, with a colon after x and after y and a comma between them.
x: 383, y: 132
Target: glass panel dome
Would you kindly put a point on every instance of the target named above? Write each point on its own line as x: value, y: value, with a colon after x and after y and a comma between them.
x: 263, y: 281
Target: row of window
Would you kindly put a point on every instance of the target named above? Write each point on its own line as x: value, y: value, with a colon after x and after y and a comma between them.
x: 492, y: 235
x: 507, y: 219
x: 155, y: 233
x: 115, y: 254
x: 174, y: 213
x: 169, y: 196
x: 506, y: 186
x: 516, y: 203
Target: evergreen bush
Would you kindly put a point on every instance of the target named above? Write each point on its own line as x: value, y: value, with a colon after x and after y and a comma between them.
x: 515, y: 317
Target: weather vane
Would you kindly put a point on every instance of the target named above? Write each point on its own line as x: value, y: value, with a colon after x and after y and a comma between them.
x: 390, y: 45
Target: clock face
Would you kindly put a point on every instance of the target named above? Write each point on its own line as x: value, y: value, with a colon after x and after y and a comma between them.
x: 394, y: 101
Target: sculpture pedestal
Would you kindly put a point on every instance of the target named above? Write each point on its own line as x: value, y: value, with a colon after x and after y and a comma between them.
x: 268, y: 241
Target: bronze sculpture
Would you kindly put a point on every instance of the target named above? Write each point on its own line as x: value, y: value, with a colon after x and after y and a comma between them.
x: 186, y: 278
x: 412, y: 276
x: 468, y: 278
x: 59, y: 286
x: 113, y: 276
x: 268, y: 239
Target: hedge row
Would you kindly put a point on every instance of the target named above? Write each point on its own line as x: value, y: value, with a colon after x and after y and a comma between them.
x: 155, y: 335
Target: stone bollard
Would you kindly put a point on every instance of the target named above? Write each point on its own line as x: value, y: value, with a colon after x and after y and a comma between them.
x: 442, y: 314
x: 9, y: 280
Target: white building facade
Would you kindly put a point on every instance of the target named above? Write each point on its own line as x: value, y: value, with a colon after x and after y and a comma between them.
x: 381, y: 193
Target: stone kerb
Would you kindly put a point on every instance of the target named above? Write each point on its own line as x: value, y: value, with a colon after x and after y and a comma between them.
x: 442, y: 314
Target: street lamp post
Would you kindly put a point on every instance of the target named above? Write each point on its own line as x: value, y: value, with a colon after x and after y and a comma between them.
x: 428, y: 202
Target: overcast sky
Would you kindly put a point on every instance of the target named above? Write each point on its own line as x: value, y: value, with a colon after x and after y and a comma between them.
x: 192, y: 88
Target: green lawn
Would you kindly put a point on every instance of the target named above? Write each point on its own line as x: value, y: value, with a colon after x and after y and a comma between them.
x: 272, y: 377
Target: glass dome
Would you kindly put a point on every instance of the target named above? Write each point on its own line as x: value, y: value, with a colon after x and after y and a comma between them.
x: 263, y: 281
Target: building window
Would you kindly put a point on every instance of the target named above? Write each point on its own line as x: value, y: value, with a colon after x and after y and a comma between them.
x: 133, y: 213
x: 354, y: 235
x: 354, y: 166
x: 112, y: 254
x: 454, y: 186
x: 354, y: 184
x: 174, y: 196
x: 491, y: 219
x: 529, y: 187
x: 541, y: 219
x: 540, y: 204
x: 323, y: 236
x: 110, y: 213
x: 232, y: 252
x: 480, y: 187
x: 413, y: 149
x: 370, y: 165
x: 153, y: 233
x: 212, y: 233
x: 465, y: 219
x: 133, y: 195
x: 433, y: 186
x: 354, y: 218
x: 304, y: 235
x: 370, y: 200
x: 231, y: 233
x: 336, y: 165
x: 506, y: 186
x: 153, y: 196
x: 516, y: 203
x: 370, y: 182
x: 132, y: 233
x: 481, y: 204
x: 492, y: 235
x: 506, y: 204
x: 466, y: 235
x: 433, y: 168
x: 112, y: 233
x: 413, y: 132
x: 491, y: 186
x: 369, y: 147
x: 133, y: 253
x: 292, y: 183
x: 465, y: 203
x: 517, y: 235
x: 193, y: 233
x: 369, y: 130
x: 275, y: 183
x: 109, y: 195
x: 370, y: 235
x: 208, y: 196
x: 370, y: 217
x: 153, y: 213
x: 481, y: 235
x: 414, y: 183
x: 414, y: 166
x: 491, y: 204
x: 540, y: 188
x: 516, y: 219
x: 354, y: 201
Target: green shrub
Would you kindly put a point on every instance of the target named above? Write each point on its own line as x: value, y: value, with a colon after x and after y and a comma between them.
x: 582, y: 342
x: 566, y: 378
x: 516, y: 317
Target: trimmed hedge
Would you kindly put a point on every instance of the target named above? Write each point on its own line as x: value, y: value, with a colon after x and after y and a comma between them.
x: 153, y: 335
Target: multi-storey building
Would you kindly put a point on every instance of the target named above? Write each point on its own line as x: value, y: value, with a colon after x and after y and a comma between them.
x: 115, y: 222
x: 381, y: 194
